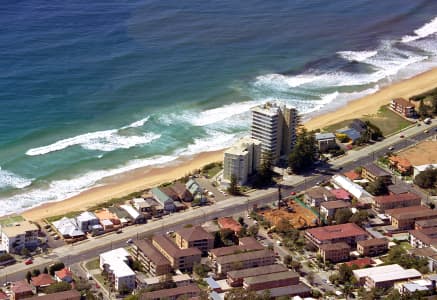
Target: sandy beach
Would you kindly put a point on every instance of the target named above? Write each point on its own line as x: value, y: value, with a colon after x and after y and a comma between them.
x: 143, y: 178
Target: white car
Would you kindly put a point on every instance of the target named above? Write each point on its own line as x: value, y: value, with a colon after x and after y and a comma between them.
x: 129, y: 241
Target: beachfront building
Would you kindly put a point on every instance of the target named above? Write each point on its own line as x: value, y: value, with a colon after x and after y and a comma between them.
x: 163, y: 199
x: 19, y: 235
x: 196, y: 237
x: 403, y: 107
x: 86, y: 220
x: 182, y: 192
x: 242, y: 160
x: 115, y: 263
x: 274, y: 125
x: 133, y: 213
x: 325, y: 141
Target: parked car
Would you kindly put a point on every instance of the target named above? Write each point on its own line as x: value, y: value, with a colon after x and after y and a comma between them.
x: 28, y: 261
x: 129, y: 241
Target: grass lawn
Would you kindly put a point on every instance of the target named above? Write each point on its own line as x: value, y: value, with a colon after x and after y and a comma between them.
x: 388, y: 121
x: 93, y: 264
x: 336, y: 126
x: 68, y: 215
x: 10, y: 220
x: 406, y: 245
x: 101, y: 280
x: 212, y: 169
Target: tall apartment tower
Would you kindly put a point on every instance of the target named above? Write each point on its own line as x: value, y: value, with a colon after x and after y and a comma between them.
x: 242, y: 160
x: 274, y: 125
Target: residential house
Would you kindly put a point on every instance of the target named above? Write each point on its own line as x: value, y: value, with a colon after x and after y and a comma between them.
x: 336, y: 252
x: 316, y: 195
x: 134, y: 214
x: 182, y: 259
x: 361, y: 262
x: 182, y: 192
x: 329, y: 208
x: 65, y: 275
x: 190, y: 291
x: 193, y: 187
x: 195, y: 236
x: 141, y: 205
x: 19, y: 235
x: 244, y: 260
x: 403, y: 107
x: 105, y: 214
x: 86, y: 220
x: 235, y: 278
x: 400, y: 164
x: 20, y: 290
x: 122, y: 215
x: 229, y: 223
x: 349, y: 233
x: 150, y: 258
x: 40, y: 282
x: 372, y: 247
x: 352, y: 175
x: 163, y: 199
x: 404, y: 218
x: 341, y: 194
x: 116, y: 264
x: 372, y: 173
x: 68, y: 228
x: 325, y: 141
x: 383, y: 203
x: 351, y: 133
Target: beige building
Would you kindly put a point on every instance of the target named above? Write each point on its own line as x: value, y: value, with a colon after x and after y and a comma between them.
x: 244, y: 260
x: 372, y: 247
x: 150, y: 258
x: 182, y: 259
x: 335, y: 253
x: 195, y: 237
x: 19, y: 235
x: 275, y: 126
x: 242, y: 160
x: 404, y: 218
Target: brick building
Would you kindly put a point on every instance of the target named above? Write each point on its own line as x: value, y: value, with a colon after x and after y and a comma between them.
x: 335, y: 253
x: 382, y: 203
x: 349, y: 233
x: 194, y: 237
x: 150, y: 258
x: 403, y: 107
x: 372, y: 247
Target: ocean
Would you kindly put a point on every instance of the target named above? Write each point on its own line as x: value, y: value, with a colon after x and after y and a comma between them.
x: 90, y: 89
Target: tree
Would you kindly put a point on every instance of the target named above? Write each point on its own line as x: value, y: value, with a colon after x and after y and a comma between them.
x: 427, y: 179
x: 422, y: 110
x: 303, y: 155
x: 233, y: 186
x: 58, y: 287
x: 201, y: 270
x: 287, y: 260
x: 264, y: 176
x: 56, y: 267
x: 28, y: 276
x: 25, y: 252
x: 310, y: 277
x: 45, y: 271
x: 253, y: 230
x: 398, y: 255
x: 359, y: 218
x: 342, y: 215
x: 241, y: 220
x: 378, y: 187
x: 35, y: 272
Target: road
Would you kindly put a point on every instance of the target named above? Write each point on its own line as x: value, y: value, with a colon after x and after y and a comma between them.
x: 70, y: 254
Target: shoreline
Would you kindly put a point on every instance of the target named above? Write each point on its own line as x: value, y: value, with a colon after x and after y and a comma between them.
x: 146, y: 177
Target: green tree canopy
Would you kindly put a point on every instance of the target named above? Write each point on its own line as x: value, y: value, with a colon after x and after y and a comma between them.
x: 303, y: 155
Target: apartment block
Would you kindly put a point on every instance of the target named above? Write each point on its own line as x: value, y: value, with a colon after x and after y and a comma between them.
x: 329, y: 208
x: 372, y: 247
x: 244, y: 260
x: 150, y: 258
x: 274, y: 125
x: 189, y: 291
x: 19, y: 235
x: 182, y: 259
x: 335, y: 253
x: 269, y: 281
x: 245, y: 244
x: 382, y: 203
x: 404, y: 218
x: 372, y: 173
x: 235, y: 278
x: 403, y: 107
x: 348, y: 233
x: 423, y: 238
x: 196, y: 237
x: 116, y: 264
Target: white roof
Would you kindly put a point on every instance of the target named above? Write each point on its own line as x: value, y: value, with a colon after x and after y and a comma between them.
x: 86, y: 216
x: 68, y: 227
x: 138, y: 200
x: 353, y: 188
x: 106, y: 222
x: 182, y: 277
x: 394, y: 275
x: 422, y: 168
x: 130, y: 210
x: 360, y: 273
x: 116, y: 259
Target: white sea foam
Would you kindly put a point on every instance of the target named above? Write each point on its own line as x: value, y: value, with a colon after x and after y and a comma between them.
x: 105, y: 140
x: 216, y: 140
x: 357, y: 55
x: 138, y: 123
x: 424, y: 31
x: 283, y: 82
x: 10, y: 179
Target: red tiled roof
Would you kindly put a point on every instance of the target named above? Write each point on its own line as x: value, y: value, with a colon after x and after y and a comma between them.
x: 229, y: 223
x: 397, y: 198
x: 61, y: 274
x: 336, y: 231
x: 21, y: 286
x: 341, y: 194
x: 42, y: 280
x: 403, y: 102
x: 361, y: 262
x: 352, y: 175
x: 3, y: 296
x: 194, y: 233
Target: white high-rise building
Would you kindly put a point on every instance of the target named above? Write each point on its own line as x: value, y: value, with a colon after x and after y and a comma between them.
x: 242, y: 160
x: 274, y: 125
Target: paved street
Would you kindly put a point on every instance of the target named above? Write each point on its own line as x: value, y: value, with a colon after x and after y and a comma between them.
x: 87, y: 249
